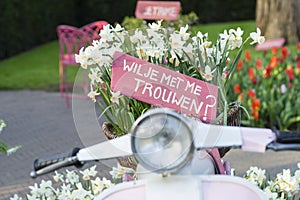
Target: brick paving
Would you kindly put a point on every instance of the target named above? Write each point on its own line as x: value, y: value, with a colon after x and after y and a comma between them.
x: 43, y: 125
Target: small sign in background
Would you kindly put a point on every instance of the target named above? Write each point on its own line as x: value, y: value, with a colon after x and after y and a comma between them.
x: 157, y: 10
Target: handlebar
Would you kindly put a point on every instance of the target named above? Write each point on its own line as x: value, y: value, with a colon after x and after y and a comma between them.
x: 285, y: 140
x: 51, y: 163
x: 277, y: 141
x: 287, y: 137
x: 275, y: 146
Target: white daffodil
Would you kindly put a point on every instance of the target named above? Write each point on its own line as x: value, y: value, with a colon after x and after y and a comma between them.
x: 183, y: 33
x: 64, y: 192
x: 82, y: 58
x: 15, y: 197
x: 239, y: 32
x: 35, y: 190
x: 2, y: 125
x: 106, y: 183
x: 155, y: 26
x: 270, y: 195
x: 13, y: 150
x: 58, y: 177
x: 224, y: 35
x: 256, y: 37
x: 95, y: 76
x: 176, y: 41
x: 46, y: 188
x: 118, y: 28
x: 117, y: 172
x: 81, y: 193
x: 32, y: 197
x: 218, y: 56
x: 138, y: 36
x: 202, y: 37
x: 208, y: 76
x: 105, y: 33
x: 237, y: 39
x: 72, y: 177
x: 99, y: 185
x: 115, y: 97
x: 92, y: 94
x: 87, y: 173
x: 256, y: 175
x: 287, y: 182
x: 188, y: 51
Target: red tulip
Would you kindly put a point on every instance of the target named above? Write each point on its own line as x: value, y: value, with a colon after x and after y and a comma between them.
x: 247, y: 56
x: 267, y: 71
x: 285, y: 52
x: 251, y: 73
x: 274, y: 61
x: 251, y: 93
x: 290, y: 72
x: 237, y: 88
x: 274, y: 50
x: 239, y: 65
x: 258, y: 64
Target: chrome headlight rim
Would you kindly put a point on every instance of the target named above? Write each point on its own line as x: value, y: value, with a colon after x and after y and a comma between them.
x: 166, y: 113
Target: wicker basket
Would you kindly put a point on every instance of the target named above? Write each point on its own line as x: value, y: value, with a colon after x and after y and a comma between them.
x: 233, y: 119
x: 110, y: 134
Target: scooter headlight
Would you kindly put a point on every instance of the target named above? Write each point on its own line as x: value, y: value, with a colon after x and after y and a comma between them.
x: 162, y: 141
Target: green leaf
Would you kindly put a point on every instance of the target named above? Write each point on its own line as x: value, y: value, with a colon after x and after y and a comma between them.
x: 233, y: 66
x: 292, y: 121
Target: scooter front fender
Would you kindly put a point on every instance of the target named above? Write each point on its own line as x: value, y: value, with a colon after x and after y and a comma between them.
x: 202, y: 187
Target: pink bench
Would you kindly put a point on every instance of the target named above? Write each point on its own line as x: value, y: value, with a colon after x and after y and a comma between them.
x: 71, y: 40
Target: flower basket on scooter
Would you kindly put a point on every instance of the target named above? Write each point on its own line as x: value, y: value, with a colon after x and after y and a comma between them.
x: 190, y: 55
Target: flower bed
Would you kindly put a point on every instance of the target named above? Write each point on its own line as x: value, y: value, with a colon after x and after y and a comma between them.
x: 269, y: 87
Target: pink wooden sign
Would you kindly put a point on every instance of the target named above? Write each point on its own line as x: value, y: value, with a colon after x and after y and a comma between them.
x: 268, y: 44
x: 156, y: 10
x: 163, y: 87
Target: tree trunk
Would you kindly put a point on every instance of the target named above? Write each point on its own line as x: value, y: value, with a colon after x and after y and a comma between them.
x: 279, y: 18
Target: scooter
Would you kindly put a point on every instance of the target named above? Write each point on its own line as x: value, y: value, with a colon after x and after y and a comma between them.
x: 174, y: 161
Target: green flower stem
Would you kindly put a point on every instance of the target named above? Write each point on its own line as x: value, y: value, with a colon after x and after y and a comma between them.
x: 223, y: 96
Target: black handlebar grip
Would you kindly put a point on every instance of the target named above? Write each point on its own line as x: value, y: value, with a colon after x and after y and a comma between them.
x: 283, y: 146
x: 286, y: 137
x: 50, y: 160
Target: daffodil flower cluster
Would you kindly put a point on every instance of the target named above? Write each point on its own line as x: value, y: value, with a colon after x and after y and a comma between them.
x: 284, y: 186
x: 72, y: 185
x: 193, y: 55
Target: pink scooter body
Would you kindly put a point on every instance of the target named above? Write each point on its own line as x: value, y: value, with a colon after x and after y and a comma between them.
x: 207, y: 187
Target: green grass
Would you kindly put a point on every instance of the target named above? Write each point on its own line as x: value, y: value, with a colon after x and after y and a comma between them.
x: 215, y: 28
x: 38, y: 68
x: 33, y: 69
